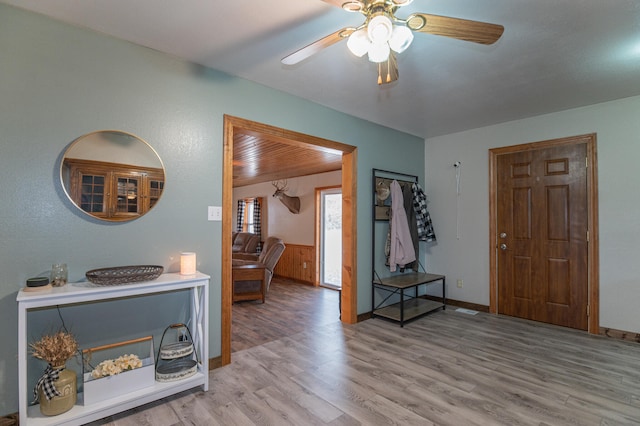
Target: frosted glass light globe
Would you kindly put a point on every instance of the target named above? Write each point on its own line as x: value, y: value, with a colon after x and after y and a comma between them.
x: 358, y: 43
x: 379, y: 29
x: 379, y: 52
x: 400, y: 39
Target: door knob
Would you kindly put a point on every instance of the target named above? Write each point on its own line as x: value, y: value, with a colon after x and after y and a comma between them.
x: 503, y: 235
x: 503, y: 246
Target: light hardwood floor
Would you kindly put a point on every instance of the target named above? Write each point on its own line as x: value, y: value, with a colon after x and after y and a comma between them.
x: 448, y: 368
x: 290, y: 308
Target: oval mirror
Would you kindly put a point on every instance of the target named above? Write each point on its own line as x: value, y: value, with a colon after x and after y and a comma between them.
x: 112, y: 175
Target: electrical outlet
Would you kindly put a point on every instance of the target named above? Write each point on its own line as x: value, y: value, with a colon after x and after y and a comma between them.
x: 459, y: 283
x: 304, y: 265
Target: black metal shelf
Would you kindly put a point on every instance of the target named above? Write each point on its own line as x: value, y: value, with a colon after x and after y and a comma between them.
x: 410, y: 306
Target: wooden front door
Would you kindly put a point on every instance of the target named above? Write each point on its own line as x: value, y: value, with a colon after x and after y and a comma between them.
x: 542, y: 225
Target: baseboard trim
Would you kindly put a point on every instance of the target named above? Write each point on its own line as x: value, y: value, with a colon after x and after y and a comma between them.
x: 364, y: 317
x: 627, y: 336
x: 215, y: 363
x: 295, y: 280
x: 461, y: 304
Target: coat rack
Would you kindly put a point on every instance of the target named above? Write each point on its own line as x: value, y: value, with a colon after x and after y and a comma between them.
x: 399, y: 302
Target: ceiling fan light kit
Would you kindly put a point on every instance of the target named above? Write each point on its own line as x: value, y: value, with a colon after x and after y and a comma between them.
x: 380, y: 36
x: 379, y: 52
x: 358, y: 43
x: 379, y: 29
x: 383, y: 34
x: 401, y: 39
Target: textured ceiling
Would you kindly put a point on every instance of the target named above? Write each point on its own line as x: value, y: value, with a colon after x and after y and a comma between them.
x: 553, y: 55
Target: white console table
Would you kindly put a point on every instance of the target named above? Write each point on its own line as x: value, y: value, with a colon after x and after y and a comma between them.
x: 87, y: 293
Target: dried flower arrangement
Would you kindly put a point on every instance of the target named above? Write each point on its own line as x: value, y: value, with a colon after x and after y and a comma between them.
x: 55, y: 348
x: 111, y: 367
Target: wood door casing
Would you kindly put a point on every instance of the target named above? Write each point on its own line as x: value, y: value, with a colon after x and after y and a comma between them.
x: 542, y: 227
x: 348, y: 298
x: 557, y: 299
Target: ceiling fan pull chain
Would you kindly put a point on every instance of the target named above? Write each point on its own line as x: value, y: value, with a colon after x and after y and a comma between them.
x: 388, y: 71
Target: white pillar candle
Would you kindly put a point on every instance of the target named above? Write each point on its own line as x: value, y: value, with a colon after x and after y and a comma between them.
x: 187, y: 263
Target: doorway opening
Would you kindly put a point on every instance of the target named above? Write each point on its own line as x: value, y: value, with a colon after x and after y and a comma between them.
x: 238, y: 127
x: 329, y: 237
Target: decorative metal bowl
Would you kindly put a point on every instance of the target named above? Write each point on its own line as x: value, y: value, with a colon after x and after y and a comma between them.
x: 176, y: 350
x: 176, y: 370
x: 124, y: 274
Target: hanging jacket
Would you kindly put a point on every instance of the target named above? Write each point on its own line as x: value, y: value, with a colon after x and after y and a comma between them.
x: 401, y: 249
x: 423, y: 219
x: 407, y: 195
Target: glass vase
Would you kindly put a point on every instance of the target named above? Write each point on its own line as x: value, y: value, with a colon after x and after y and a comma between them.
x: 59, y: 274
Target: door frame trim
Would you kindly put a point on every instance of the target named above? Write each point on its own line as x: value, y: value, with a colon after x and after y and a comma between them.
x: 593, y: 259
x: 318, y: 230
x: 349, y: 292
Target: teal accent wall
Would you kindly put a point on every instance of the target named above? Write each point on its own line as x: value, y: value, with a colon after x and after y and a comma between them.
x: 58, y: 82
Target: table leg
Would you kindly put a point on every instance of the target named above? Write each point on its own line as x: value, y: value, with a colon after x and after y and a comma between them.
x: 401, y: 307
x: 444, y: 296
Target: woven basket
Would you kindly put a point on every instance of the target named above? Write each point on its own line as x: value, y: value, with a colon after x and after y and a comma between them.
x: 124, y: 274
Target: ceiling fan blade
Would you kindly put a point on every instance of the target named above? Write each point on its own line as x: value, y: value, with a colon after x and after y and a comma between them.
x: 336, y: 3
x: 348, y: 5
x: 388, y: 70
x: 462, y: 29
x: 316, y: 46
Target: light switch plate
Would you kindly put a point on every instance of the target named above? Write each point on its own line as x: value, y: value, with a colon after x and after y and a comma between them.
x: 214, y: 213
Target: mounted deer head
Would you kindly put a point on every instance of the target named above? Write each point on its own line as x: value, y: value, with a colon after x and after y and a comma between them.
x: 292, y: 203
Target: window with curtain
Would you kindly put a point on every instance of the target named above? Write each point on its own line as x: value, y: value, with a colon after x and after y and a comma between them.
x: 250, y: 217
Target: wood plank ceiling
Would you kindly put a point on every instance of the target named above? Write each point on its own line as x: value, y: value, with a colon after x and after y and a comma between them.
x: 261, y: 158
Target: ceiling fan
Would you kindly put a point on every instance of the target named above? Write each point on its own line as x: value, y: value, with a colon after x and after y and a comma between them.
x: 383, y: 35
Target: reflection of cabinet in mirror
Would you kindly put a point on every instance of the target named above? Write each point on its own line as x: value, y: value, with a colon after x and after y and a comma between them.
x: 113, y: 191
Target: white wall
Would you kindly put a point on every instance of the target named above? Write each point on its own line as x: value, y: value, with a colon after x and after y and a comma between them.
x: 278, y: 220
x: 618, y: 138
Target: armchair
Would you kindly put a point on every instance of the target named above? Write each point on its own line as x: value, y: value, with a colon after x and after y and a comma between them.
x: 244, y: 242
x: 268, y: 259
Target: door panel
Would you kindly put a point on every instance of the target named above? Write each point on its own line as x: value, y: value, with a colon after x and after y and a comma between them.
x: 542, y: 227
